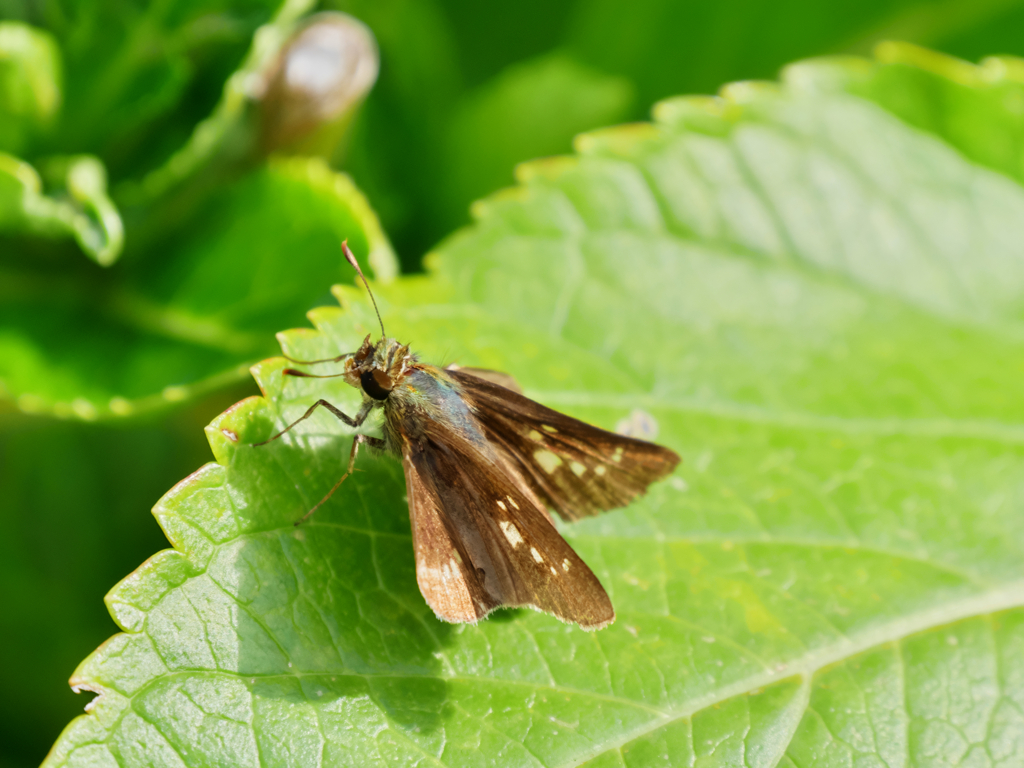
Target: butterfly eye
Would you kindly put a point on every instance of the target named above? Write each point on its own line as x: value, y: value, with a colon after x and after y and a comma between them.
x: 376, y: 384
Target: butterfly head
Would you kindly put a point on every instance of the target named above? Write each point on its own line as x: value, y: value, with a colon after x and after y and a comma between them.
x: 376, y: 367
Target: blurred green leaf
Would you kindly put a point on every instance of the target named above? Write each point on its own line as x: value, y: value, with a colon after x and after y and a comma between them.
x: 241, y: 129
x: 818, y: 305
x: 531, y: 110
x: 130, y: 65
x: 667, y: 47
x: 30, y: 84
x: 77, y: 206
x: 159, y: 331
x: 173, y: 321
x: 395, y: 154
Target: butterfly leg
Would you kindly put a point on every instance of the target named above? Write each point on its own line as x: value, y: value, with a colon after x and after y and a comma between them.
x: 341, y: 415
x: 357, y: 440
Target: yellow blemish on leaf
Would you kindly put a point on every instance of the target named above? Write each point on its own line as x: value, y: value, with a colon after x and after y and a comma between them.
x: 632, y: 580
x: 758, y: 617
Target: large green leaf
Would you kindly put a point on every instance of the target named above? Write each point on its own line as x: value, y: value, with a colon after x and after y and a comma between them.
x: 970, y: 107
x: 817, y: 303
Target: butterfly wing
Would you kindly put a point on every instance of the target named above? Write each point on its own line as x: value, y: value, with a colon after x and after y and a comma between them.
x: 483, y: 540
x: 575, y: 468
x: 500, y: 378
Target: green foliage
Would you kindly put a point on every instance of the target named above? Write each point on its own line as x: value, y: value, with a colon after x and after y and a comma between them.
x: 816, y: 300
x: 526, y: 112
x: 29, y: 83
x: 160, y: 96
x: 126, y: 135
x: 441, y: 56
x: 167, y: 330
x: 142, y: 231
x: 130, y: 66
x: 81, y: 209
x: 203, y: 285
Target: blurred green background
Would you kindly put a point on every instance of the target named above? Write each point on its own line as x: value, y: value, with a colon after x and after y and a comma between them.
x: 113, y: 359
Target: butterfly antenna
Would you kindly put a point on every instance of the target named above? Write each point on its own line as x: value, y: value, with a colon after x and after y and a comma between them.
x: 352, y: 260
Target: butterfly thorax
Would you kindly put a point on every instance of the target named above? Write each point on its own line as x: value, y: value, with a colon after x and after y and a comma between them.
x: 419, y: 400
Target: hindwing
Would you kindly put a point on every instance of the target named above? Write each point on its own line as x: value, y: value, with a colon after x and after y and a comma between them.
x: 482, y: 540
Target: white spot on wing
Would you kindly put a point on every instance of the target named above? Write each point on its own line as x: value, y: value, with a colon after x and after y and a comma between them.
x: 553, y: 571
x: 549, y: 461
x: 600, y: 469
x: 617, y: 456
x: 502, y: 507
x: 565, y: 564
x: 511, y: 533
x: 549, y: 428
x: 578, y: 469
x: 512, y: 502
x: 534, y: 435
x: 536, y: 555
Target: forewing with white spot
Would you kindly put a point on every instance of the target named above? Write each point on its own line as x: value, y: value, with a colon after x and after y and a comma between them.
x: 575, y: 468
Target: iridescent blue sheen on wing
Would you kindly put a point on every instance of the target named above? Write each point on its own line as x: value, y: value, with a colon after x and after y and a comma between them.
x: 425, y: 399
